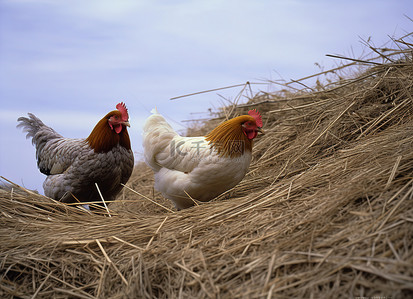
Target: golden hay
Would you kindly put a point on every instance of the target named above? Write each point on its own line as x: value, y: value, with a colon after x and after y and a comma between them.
x: 325, y: 211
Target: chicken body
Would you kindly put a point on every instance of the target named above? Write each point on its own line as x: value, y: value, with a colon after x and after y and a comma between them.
x: 192, y: 167
x: 73, y: 166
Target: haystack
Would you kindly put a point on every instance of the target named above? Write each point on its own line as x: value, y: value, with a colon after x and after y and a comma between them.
x: 325, y: 211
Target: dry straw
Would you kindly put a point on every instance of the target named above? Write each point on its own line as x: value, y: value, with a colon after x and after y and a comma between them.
x: 325, y: 211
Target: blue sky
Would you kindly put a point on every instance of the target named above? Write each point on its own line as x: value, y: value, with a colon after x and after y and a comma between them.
x: 71, y: 62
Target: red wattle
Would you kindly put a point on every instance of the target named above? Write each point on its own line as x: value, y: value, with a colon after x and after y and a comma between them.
x: 251, y: 134
x: 118, y: 128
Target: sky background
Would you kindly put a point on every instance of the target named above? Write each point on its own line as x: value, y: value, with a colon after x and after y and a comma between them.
x: 71, y: 62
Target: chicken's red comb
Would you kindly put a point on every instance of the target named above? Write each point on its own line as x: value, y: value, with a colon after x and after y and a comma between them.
x: 257, y: 116
x: 122, y: 108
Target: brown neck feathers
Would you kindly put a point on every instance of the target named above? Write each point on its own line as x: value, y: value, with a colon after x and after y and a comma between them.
x: 103, y: 138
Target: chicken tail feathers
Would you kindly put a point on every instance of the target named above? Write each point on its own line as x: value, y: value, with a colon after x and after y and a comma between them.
x: 36, y: 129
x: 41, y: 135
x: 157, y: 135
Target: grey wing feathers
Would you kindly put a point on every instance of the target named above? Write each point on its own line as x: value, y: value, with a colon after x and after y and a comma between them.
x: 53, y: 152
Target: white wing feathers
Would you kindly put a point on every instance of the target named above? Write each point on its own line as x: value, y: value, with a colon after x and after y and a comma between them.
x: 164, y: 148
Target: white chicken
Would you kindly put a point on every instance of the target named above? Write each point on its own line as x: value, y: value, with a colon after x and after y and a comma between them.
x: 199, y: 168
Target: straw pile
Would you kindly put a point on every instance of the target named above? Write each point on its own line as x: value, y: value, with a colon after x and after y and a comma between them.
x: 325, y: 211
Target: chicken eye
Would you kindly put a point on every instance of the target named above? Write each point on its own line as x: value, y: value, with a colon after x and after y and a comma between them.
x: 114, y: 118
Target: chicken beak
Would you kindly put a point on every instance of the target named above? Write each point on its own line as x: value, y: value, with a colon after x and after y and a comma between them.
x: 126, y: 123
x: 261, y: 130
